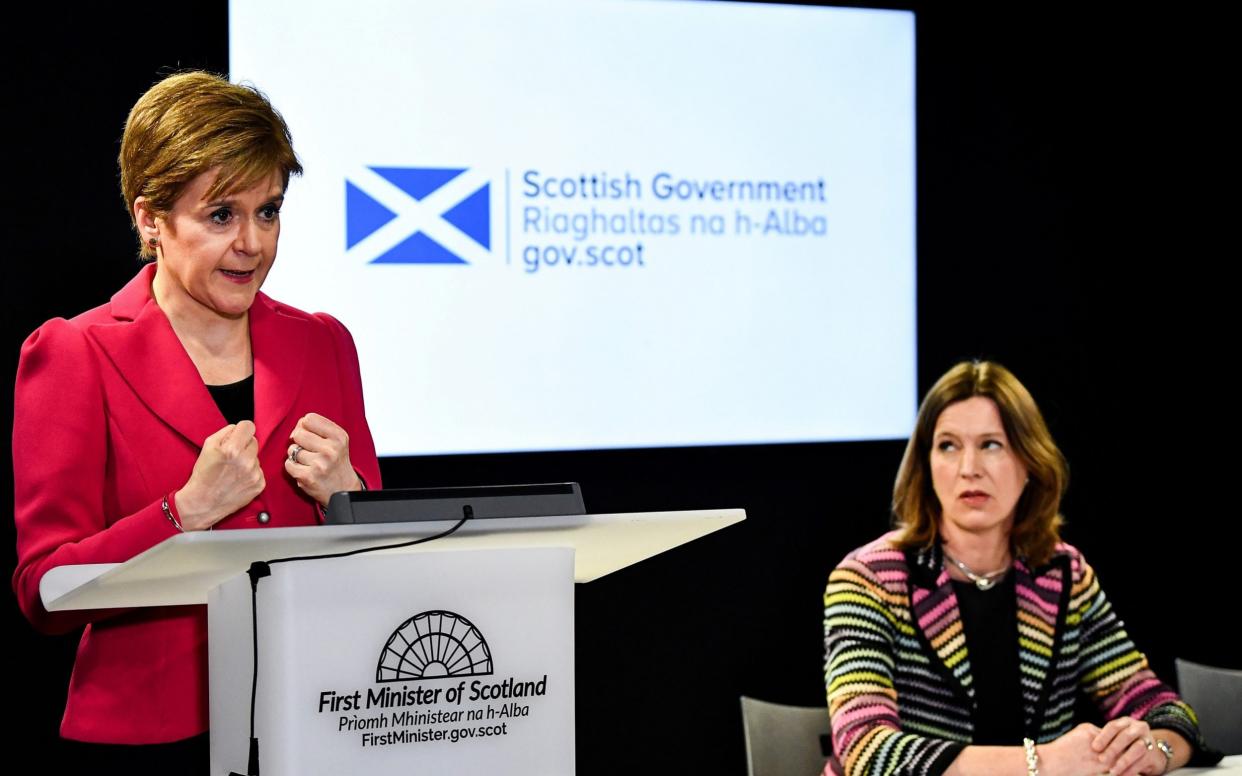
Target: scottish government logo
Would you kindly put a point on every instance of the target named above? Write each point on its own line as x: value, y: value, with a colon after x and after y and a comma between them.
x: 418, y: 215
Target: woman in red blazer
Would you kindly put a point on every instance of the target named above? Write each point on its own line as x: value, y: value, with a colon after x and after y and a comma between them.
x: 191, y: 401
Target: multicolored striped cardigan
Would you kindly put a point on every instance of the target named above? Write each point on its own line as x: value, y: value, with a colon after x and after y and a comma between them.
x: 898, y: 671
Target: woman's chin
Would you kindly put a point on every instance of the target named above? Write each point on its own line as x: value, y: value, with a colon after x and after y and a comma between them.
x: 233, y: 305
x: 975, y: 523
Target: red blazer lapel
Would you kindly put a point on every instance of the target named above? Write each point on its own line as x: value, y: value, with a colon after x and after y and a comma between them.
x: 146, y: 352
x: 279, y: 344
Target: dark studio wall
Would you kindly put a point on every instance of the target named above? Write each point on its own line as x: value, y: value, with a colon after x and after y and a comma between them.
x: 1071, y: 225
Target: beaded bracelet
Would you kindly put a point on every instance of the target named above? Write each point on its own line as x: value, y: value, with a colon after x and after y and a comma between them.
x: 1032, y: 759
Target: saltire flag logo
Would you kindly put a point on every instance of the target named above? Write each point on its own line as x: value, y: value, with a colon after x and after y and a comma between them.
x: 418, y: 215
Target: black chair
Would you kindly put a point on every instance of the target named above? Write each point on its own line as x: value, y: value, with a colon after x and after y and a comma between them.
x: 784, y: 740
x: 1216, y: 696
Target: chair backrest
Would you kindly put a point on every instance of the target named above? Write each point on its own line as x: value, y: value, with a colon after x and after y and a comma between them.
x: 1216, y: 696
x: 783, y: 740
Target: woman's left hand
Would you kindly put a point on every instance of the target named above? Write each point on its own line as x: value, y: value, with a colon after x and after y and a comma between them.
x: 1127, y: 748
x: 318, y: 459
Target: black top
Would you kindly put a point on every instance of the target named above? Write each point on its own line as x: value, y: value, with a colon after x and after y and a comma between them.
x: 990, y: 624
x: 235, y: 400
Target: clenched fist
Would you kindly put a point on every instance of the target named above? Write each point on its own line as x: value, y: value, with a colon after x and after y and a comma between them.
x: 226, y: 477
x: 318, y: 459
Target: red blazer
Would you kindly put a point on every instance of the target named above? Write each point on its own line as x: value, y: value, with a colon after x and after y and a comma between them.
x: 109, y: 417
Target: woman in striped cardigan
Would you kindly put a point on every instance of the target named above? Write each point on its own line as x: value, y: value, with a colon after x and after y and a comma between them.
x: 922, y: 672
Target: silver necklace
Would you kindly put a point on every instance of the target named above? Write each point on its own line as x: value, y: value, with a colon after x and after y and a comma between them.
x: 982, y: 581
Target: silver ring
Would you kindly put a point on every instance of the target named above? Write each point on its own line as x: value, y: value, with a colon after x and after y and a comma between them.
x: 1147, y: 742
x: 293, y: 454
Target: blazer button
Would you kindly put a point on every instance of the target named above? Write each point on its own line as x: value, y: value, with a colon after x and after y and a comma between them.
x: 264, y: 518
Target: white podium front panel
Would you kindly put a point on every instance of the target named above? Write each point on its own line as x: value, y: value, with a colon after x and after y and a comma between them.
x: 447, y: 662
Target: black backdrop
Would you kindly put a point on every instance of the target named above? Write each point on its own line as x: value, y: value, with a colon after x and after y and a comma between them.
x: 1072, y: 172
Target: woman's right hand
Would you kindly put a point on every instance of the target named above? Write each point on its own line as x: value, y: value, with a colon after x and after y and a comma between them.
x: 1071, y: 754
x: 226, y: 477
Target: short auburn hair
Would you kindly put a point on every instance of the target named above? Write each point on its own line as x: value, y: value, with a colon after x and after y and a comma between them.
x: 1037, y: 517
x: 192, y: 122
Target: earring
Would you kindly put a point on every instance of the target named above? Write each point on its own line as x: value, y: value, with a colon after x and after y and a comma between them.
x: 153, y: 242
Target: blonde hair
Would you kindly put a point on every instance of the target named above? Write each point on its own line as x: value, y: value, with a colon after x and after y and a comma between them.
x: 192, y: 122
x: 1037, y: 518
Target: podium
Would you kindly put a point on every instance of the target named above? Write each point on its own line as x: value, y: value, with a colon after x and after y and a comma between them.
x: 453, y: 656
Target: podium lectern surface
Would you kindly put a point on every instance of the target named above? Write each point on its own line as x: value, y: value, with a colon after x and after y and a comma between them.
x: 182, y: 569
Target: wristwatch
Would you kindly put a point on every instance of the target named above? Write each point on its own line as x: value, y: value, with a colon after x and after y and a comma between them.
x: 1167, y: 750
